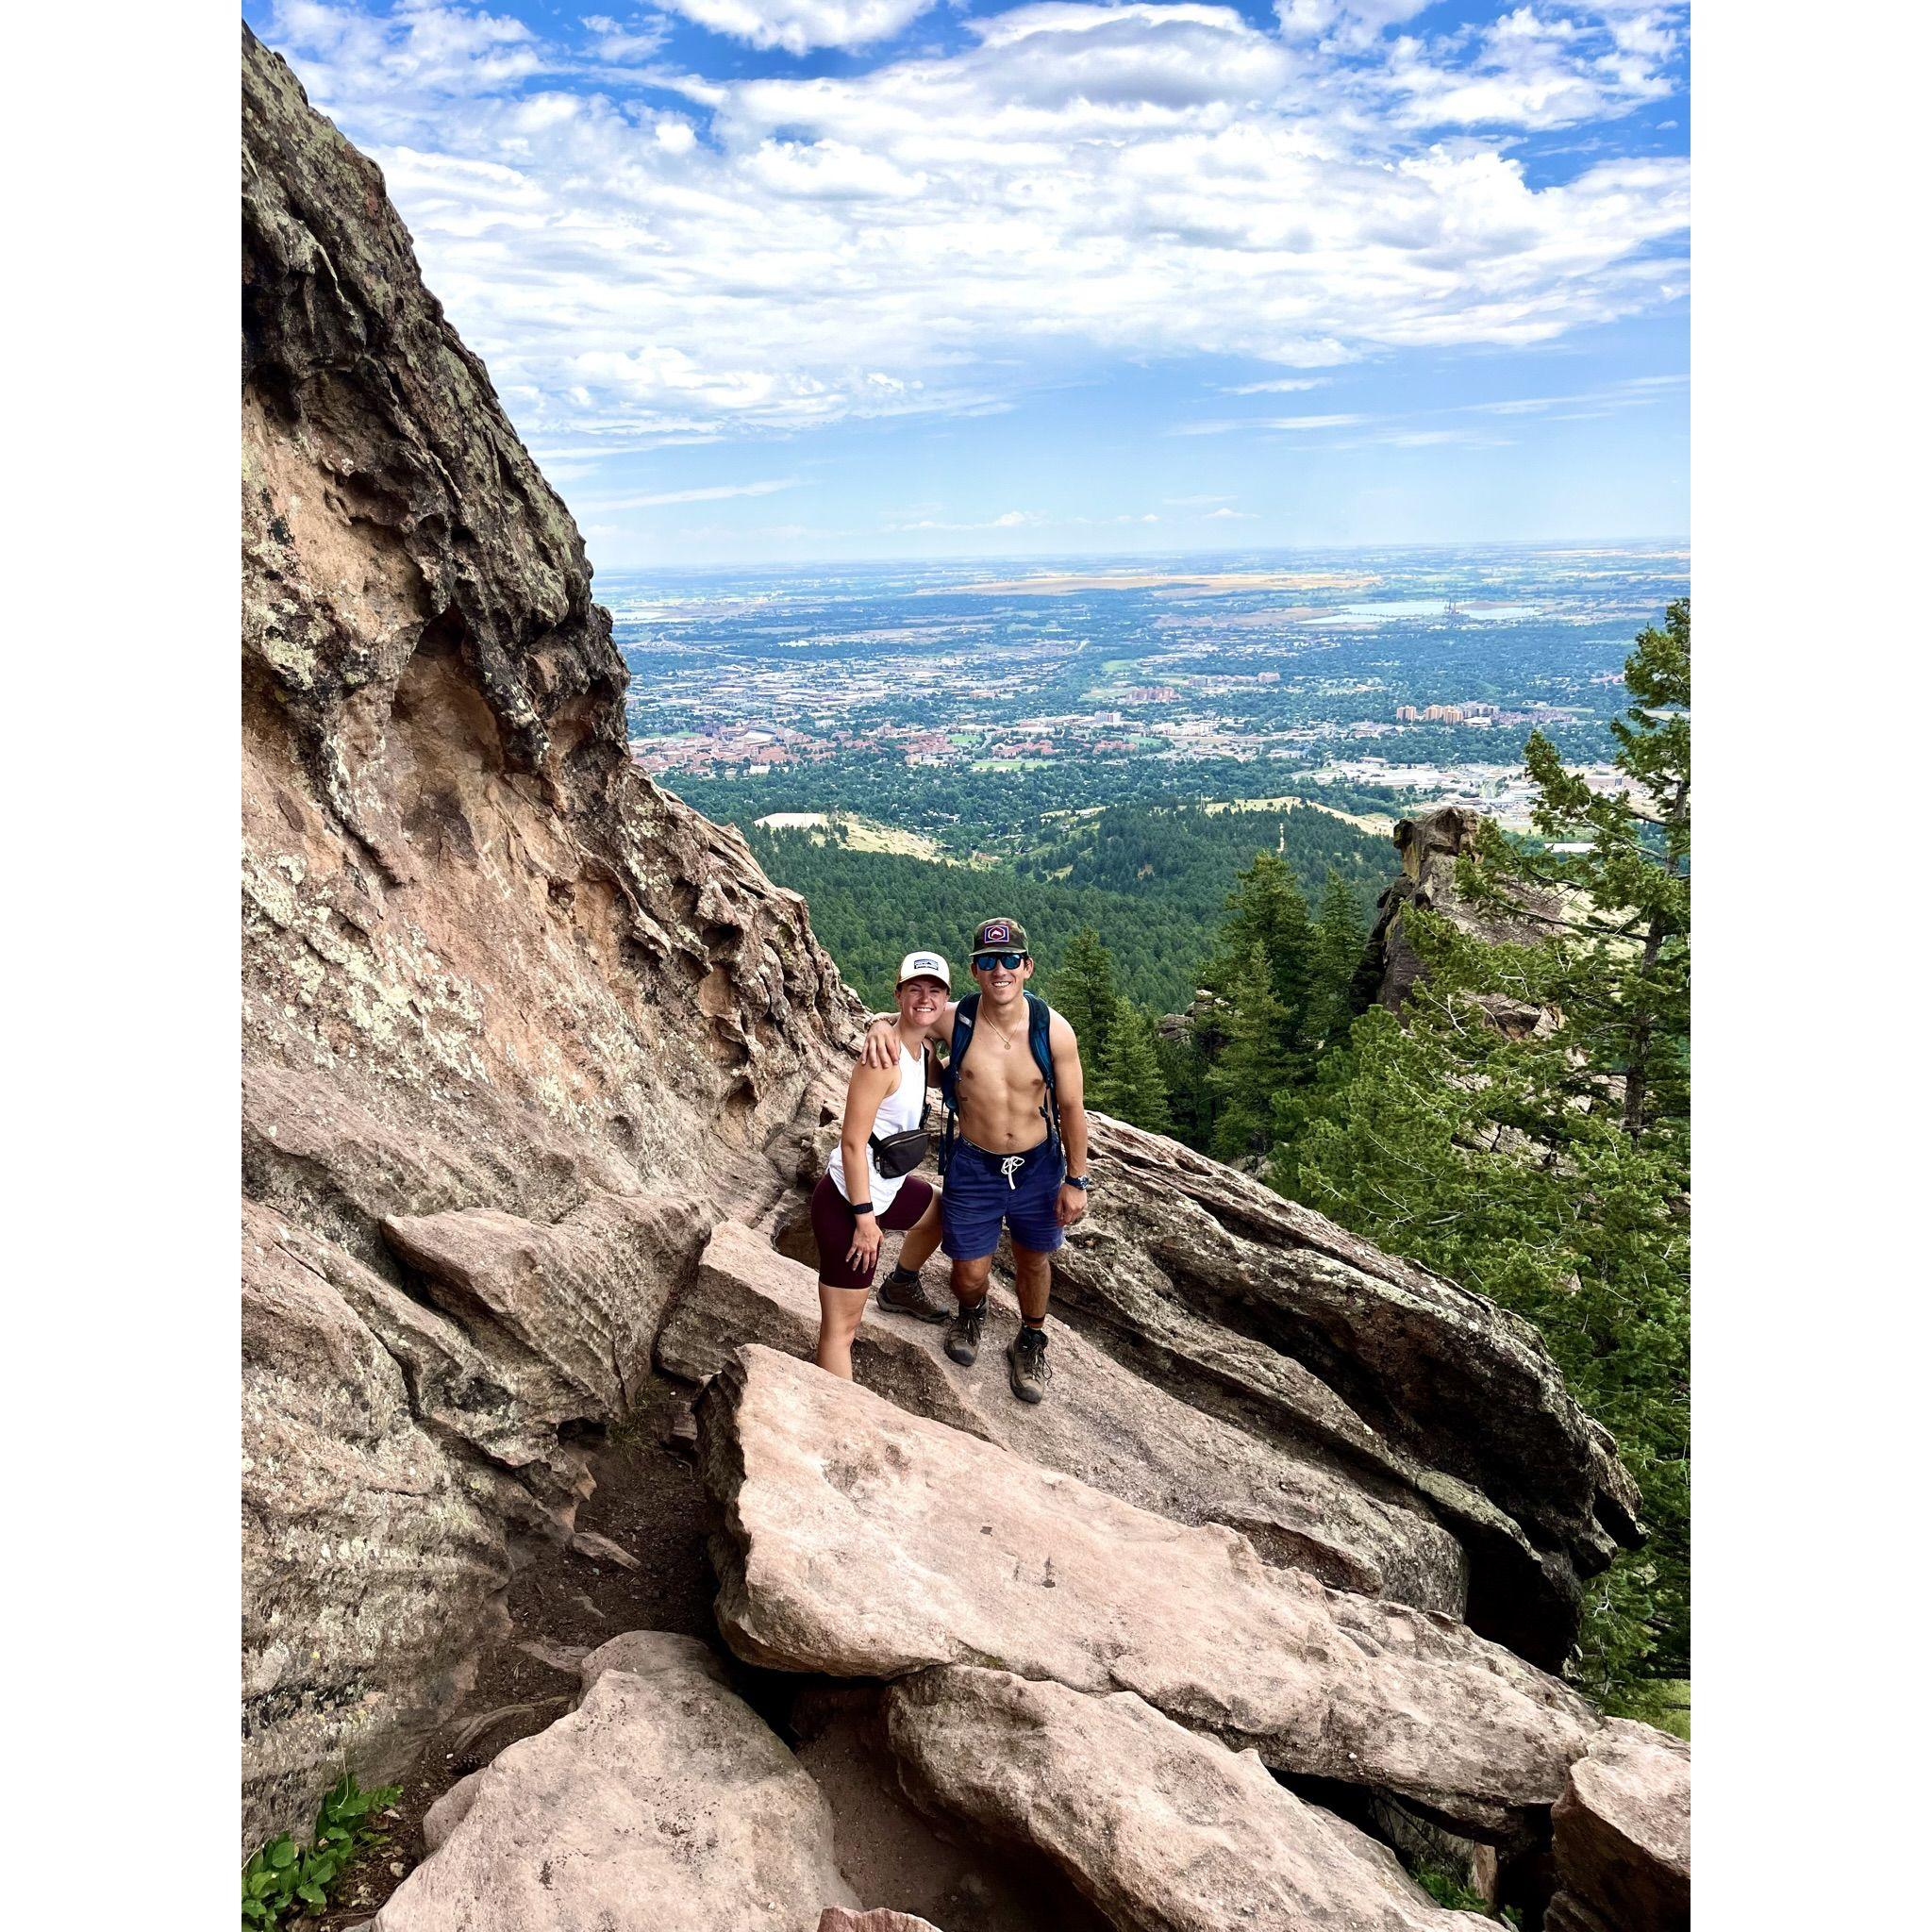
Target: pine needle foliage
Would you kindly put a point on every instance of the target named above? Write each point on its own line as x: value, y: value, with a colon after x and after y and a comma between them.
x: 1550, y: 1170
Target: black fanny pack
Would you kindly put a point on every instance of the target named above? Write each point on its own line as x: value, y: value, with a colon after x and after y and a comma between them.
x: 899, y: 1153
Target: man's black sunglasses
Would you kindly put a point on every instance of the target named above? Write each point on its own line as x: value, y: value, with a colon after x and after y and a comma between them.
x: 1008, y: 962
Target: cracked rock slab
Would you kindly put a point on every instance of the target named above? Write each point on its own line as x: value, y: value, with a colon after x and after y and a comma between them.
x: 583, y: 1296
x: 1165, y: 1830
x: 860, y: 1541
x: 1260, y: 1308
x: 661, y: 1800
x: 1104, y: 1425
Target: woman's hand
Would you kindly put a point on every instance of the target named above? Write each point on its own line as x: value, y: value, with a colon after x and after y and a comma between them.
x: 865, y: 1251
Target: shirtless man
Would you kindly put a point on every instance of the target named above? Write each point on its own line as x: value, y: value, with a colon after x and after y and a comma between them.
x: 1007, y: 1167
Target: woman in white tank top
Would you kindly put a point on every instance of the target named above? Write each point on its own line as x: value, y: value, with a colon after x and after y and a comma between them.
x: 853, y: 1204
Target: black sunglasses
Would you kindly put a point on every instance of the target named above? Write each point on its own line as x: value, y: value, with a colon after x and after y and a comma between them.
x: 1009, y: 962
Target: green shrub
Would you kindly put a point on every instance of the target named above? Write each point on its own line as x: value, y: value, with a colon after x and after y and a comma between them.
x: 279, y: 1878
x: 1451, y: 1893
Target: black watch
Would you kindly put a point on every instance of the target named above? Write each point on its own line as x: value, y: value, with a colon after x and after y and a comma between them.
x: 1085, y: 1183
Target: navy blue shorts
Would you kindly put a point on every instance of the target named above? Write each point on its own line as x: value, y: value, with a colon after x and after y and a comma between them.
x: 983, y: 1190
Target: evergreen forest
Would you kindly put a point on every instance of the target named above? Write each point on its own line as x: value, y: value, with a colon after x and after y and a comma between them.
x: 1153, y: 879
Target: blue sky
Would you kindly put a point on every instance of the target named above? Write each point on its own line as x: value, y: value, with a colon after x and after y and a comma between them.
x: 783, y: 280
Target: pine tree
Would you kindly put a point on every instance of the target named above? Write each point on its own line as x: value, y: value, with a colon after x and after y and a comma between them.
x: 1267, y: 910
x: 1084, y: 995
x: 1185, y: 1060
x: 1624, y: 930
x: 1257, y: 1062
x: 1341, y: 938
x: 1551, y: 1172
x: 1128, y: 1083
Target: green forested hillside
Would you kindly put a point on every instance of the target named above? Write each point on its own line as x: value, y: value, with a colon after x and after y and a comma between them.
x: 1153, y: 881
x: 999, y: 808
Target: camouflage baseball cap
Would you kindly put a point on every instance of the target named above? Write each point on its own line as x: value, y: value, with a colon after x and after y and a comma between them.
x: 1000, y: 936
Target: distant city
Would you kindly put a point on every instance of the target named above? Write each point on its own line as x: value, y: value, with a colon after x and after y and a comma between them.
x: 1192, y: 674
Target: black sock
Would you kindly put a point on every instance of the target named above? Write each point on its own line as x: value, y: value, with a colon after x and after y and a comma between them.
x: 1036, y: 1323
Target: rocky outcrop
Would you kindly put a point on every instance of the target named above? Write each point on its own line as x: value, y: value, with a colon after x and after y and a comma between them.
x: 1166, y: 1831
x: 1622, y: 1835
x: 519, y: 1032
x: 1248, y: 1304
x: 1104, y: 1424
x: 662, y: 1799
x: 517, y: 1025
x: 860, y: 1541
x: 1430, y: 846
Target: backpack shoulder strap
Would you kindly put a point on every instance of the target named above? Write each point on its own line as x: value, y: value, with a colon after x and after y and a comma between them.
x: 1039, y: 1022
x: 963, y: 1016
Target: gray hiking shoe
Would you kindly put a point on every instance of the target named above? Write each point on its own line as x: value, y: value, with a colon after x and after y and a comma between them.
x: 905, y: 1293
x: 1027, y: 1368
x: 963, y: 1332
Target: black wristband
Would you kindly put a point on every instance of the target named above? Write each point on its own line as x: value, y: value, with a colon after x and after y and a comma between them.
x: 860, y: 1207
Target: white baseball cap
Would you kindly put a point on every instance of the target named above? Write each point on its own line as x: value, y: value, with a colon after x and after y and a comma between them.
x: 924, y: 966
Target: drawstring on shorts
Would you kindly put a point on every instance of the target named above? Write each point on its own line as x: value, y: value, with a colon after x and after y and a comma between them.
x: 1010, y: 1167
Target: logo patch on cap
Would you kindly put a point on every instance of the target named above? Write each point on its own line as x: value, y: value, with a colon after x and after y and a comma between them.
x: 995, y: 932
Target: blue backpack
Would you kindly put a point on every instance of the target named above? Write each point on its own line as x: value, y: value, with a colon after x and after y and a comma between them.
x: 1038, y: 1018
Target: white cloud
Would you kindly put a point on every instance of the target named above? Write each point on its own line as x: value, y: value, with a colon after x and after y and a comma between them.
x: 1538, y: 69
x: 798, y: 25
x: 1280, y: 385
x: 1246, y: 516
x: 621, y: 41
x: 1352, y: 23
x: 713, y: 493
x: 1223, y: 425
x: 420, y: 52
x: 930, y: 235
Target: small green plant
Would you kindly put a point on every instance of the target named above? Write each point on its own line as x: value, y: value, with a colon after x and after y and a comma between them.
x: 280, y: 1878
x: 1448, y: 1892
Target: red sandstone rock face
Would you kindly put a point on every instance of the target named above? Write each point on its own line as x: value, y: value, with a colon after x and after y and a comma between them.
x: 510, y: 1013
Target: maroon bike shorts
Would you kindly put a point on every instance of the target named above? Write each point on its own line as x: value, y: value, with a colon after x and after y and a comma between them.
x: 833, y: 1221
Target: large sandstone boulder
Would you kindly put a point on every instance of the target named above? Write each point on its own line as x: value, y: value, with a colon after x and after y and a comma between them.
x: 517, y: 1025
x: 1165, y: 1830
x: 661, y: 1800
x: 1623, y: 1835
x: 1254, y: 1306
x: 860, y: 1541
x: 1104, y: 1425
x: 583, y: 1296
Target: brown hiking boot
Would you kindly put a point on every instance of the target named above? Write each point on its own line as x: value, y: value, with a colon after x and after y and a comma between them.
x: 963, y: 1333
x: 1027, y: 1368
x: 903, y: 1293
